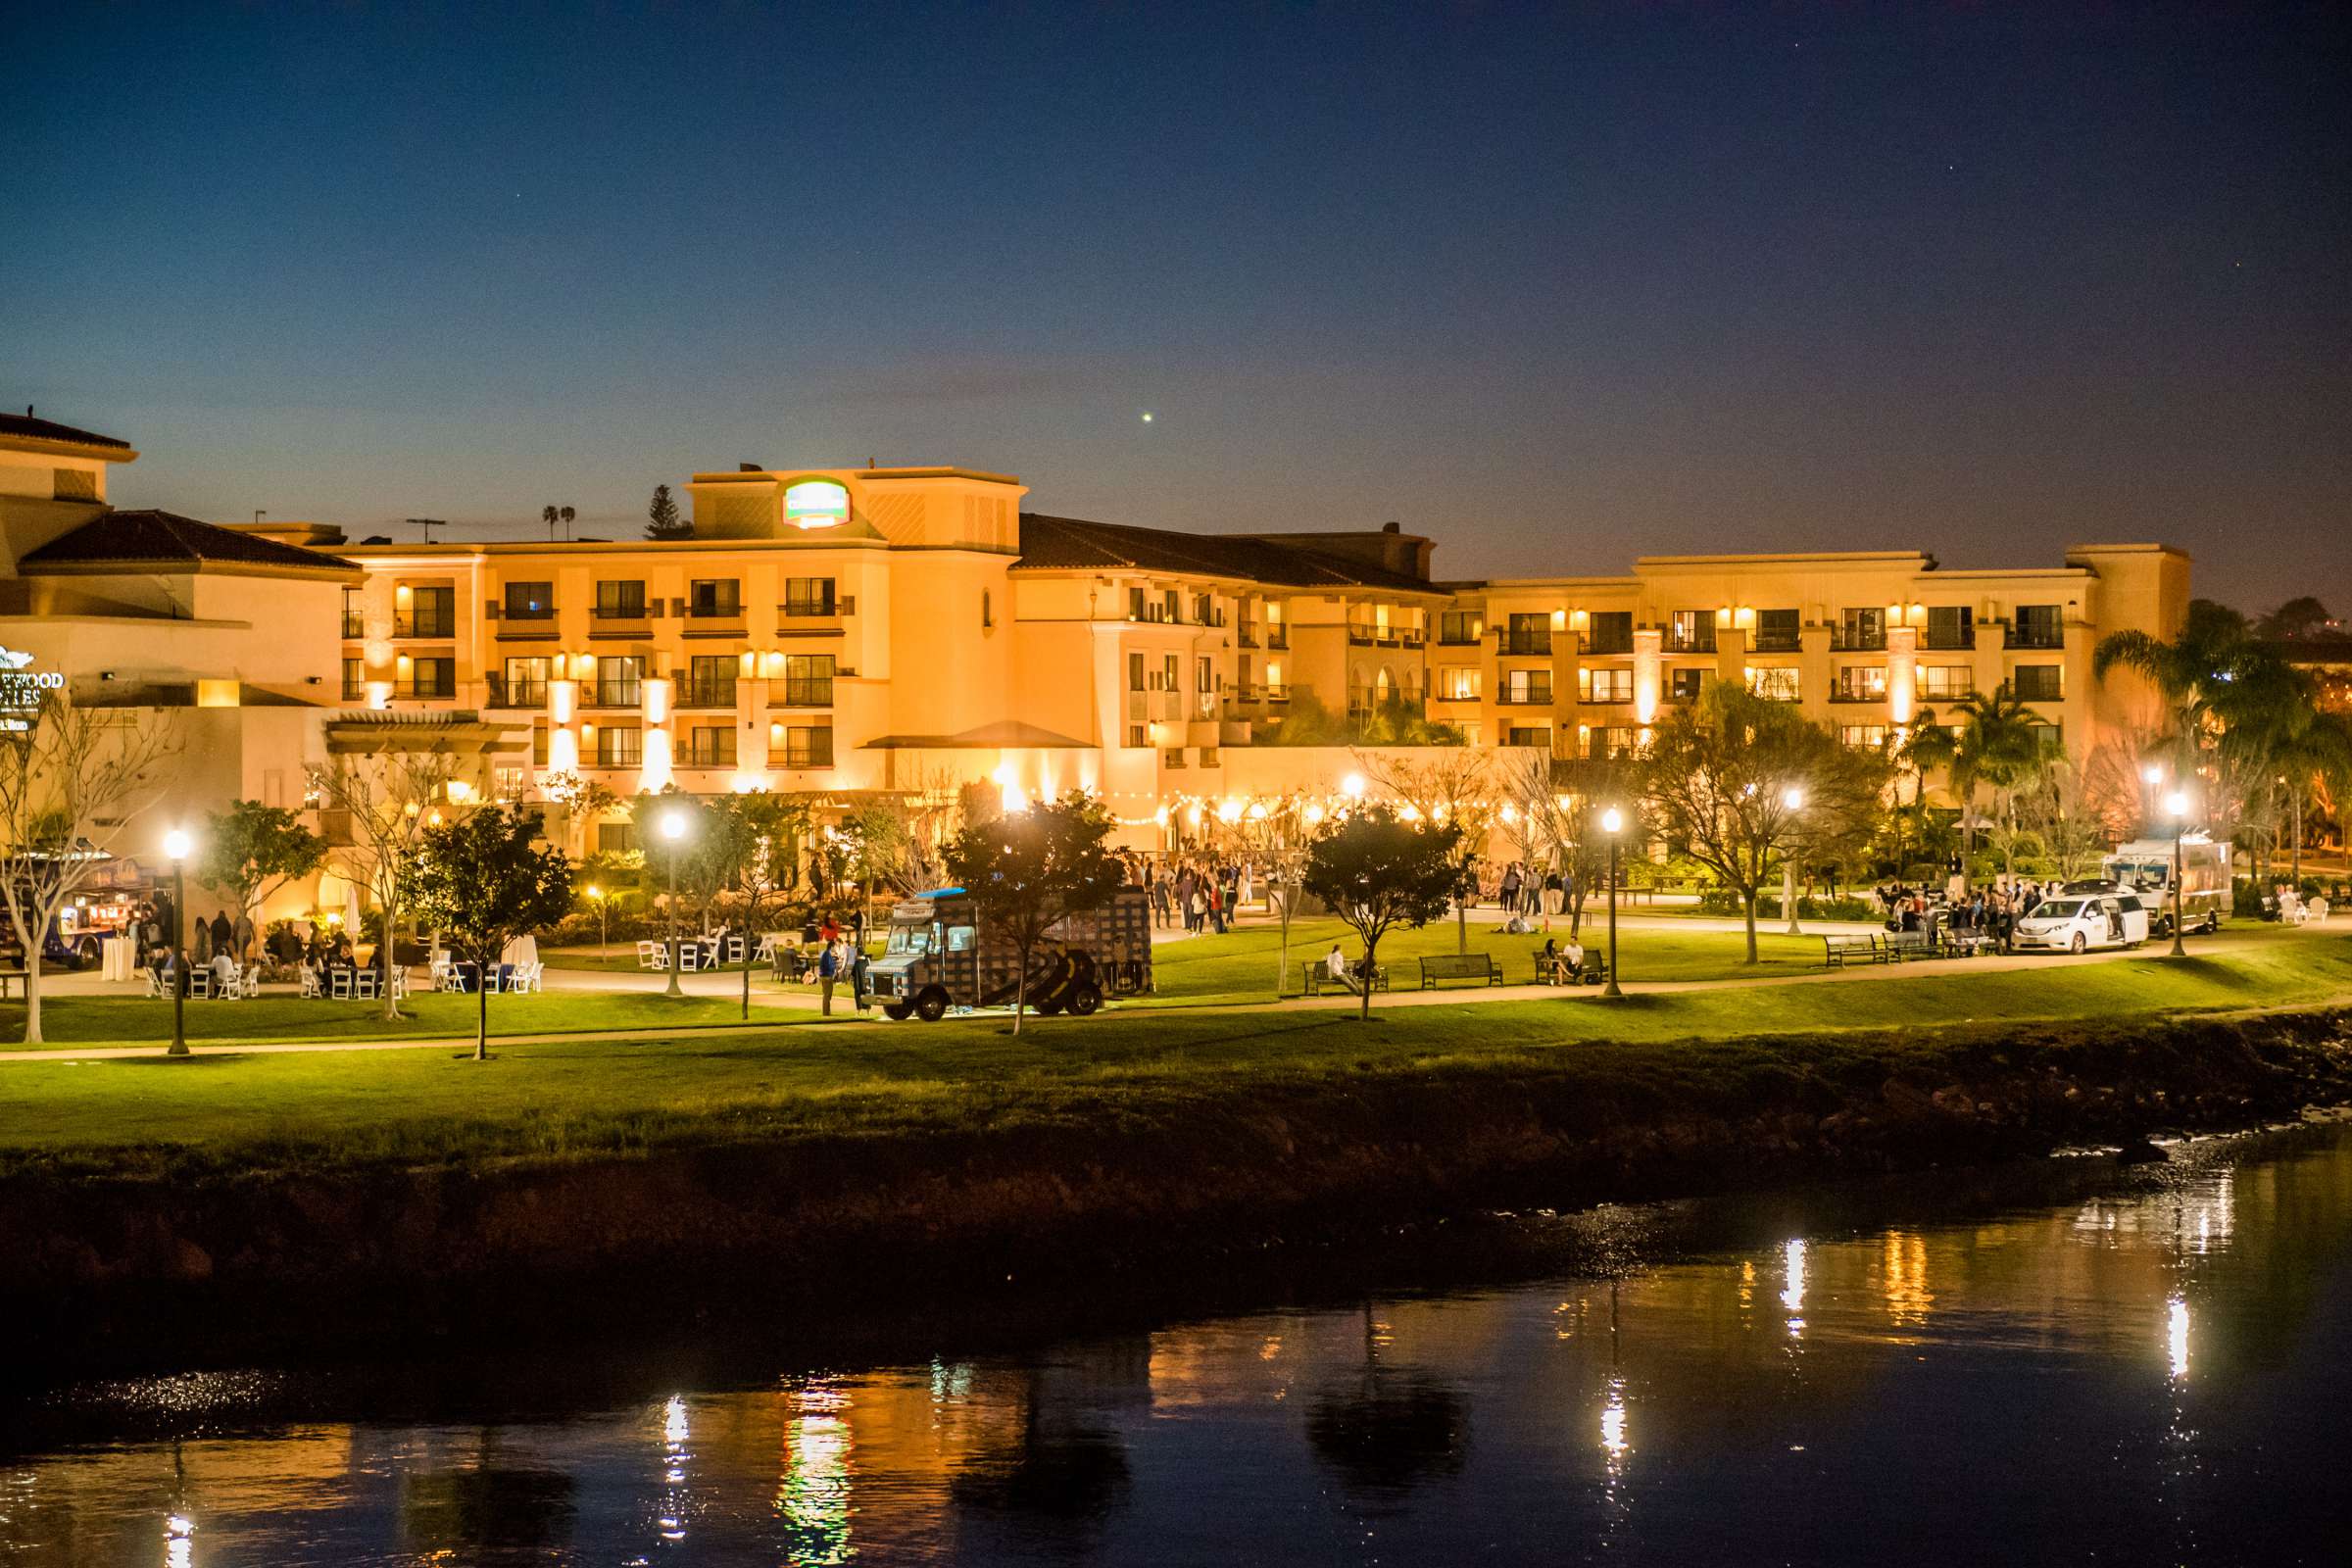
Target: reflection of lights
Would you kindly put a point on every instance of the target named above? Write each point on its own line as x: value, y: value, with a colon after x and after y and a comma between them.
x: 2175, y: 1337
x: 1793, y: 1261
x: 180, y: 1545
x: 673, y: 1467
x: 813, y: 1499
x: 1904, y: 1278
x: 1612, y: 1423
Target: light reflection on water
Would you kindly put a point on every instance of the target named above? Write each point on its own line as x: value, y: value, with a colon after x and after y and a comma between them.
x: 2168, y: 1358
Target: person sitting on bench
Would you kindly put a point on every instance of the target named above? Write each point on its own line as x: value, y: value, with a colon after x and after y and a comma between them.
x: 1336, y: 966
x: 1572, y: 956
x: 1548, y: 962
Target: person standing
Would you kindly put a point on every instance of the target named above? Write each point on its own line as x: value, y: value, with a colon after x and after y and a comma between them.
x: 828, y: 970
x: 1512, y: 880
x: 858, y: 966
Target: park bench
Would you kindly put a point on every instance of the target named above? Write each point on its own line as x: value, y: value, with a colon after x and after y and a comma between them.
x: 1319, y: 980
x: 1835, y: 950
x: 9, y: 977
x: 1965, y: 944
x: 1900, y: 945
x: 1477, y: 966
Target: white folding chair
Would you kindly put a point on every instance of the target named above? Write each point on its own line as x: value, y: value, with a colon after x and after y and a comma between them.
x: 531, y: 976
x: 400, y: 984
x: 765, y: 951
x: 690, y: 956
x: 364, y: 984
x: 339, y: 984
x: 735, y: 950
x: 310, y: 984
x: 200, y: 983
x: 649, y: 956
x: 155, y: 985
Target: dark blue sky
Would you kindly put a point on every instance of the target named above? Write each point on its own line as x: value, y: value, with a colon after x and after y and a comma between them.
x: 1558, y: 287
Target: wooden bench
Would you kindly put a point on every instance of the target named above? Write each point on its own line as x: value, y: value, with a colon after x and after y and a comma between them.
x: 1477, y: 966
x: 1965, y: 944
x: 1835, y: 950
x: 1319, y: 980
x: 1896, y: 946
x: 10, y: 977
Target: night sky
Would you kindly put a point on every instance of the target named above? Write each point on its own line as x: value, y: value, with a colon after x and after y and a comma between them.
x: 1556, y: 286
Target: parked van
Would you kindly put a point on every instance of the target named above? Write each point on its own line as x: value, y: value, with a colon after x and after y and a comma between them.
x: 2077, y: 922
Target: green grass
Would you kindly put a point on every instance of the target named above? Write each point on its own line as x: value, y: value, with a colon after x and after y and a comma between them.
x: 224, y: 1111
x: 1239, y: 967
x: 127, y: 1021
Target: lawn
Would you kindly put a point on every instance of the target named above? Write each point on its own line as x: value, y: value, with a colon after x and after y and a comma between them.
x: 223, y: 1112
x: 1239, y: 967
x: 127, y: 1021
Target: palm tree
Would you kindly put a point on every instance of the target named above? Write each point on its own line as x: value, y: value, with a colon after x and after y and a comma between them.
x: 2186, y: 671
x: 568, y: 515
x: 2001, y: 742
x: 2317, y: 764
x: 1926, y: 747
x: 548, y: 515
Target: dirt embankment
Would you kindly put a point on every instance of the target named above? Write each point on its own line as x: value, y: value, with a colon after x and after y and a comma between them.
x: 1127, y: 1185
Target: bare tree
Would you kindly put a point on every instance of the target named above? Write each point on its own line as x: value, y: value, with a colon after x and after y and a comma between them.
x: 389, y: 800
x: 71, y: 778
x: 1452, y: 785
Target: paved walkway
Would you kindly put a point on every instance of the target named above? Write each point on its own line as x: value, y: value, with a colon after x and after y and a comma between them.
x: 770, y: 994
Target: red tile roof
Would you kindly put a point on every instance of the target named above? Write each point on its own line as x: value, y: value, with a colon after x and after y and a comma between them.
x: 167, y: 540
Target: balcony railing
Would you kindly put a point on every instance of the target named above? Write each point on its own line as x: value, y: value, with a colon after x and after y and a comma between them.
x: 1245, y: 634
x: 439, y: 624
x: 1539, y: 697
x: 1857, y: 693
x: 625, y: 610
x: 355, y: 626
x: 1856, y: 640
x: 1278, y: 637
x: 1525, y: 644
x: 2034, y: 638
x: 800, y: 691
x: 1950, y: 641
x: 809, y: 754
x: 615, y: 694
x: 528, y: 613
x: 707, y: 693
x: 1604, y: 644
x: 1694, y: 642
x: 505, y: 692
x: 1779, y: 642
x: 414, y: 692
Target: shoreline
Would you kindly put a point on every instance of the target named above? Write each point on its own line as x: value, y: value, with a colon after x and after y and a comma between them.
x: 1098, y: 1189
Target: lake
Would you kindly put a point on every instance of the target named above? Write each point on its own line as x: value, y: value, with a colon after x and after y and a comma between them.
x: 2067, y: 1362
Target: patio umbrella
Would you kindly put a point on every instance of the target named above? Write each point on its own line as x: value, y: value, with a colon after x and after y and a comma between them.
x: 351, y: 913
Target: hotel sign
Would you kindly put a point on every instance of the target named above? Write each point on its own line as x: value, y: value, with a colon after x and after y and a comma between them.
x: 23, y: 689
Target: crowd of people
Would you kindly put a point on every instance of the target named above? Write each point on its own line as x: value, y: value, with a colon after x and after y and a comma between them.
x: 1991, y: 912
x: 1202, y: 893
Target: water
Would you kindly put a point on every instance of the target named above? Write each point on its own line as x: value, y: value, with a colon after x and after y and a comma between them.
x: 2138, y: 1366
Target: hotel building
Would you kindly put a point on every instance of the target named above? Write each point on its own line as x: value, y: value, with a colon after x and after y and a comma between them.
x: 844, y: 632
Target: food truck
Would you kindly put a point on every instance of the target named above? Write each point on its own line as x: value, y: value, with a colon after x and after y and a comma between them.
x: 2146, y: 866
x: 104, y: 906
x: 940, y: 956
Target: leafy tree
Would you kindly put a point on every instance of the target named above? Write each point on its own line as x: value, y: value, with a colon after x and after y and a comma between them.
x: 662, y: 519
x: 1306, y: 722
x: 2297, y: 617
x: 1376, y: 870
x: 388, y: 800
x: 70, y: 780
x: 1024, y: 870
x: 1449, y: 784
x: 251, y: 850
x: 483, y: 881
x: 1738, y: 781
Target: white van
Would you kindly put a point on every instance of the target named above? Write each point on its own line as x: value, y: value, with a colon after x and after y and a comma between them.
x: 2077, y: 922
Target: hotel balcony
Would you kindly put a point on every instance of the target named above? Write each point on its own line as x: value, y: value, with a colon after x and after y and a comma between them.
x: 1155, y: 708
x: 619, y: 620
x: 1780, y: 643
x: 524, y: 625
x: 424, y: 626
x: 1947, y: 642
x: 1524, y: 645
x: 2021, y: 638
x: 1857, y: 695
x: 500, y: 692
x: 724, y: 618
x: 707, y: 694
x: 1278, y: 637
x: 1699, y: 642
x: 613, y: 693
x: 1856, y: 640
x: 800, y: 691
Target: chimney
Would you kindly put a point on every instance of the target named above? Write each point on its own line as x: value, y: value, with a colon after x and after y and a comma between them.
x: 751, y: 468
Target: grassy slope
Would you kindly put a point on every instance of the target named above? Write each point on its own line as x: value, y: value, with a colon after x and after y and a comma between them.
x: 590, y: 1097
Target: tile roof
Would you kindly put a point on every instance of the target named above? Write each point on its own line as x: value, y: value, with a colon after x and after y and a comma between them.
x: 1065, y: 544
x: 164, y: 538
x: 25, y: 425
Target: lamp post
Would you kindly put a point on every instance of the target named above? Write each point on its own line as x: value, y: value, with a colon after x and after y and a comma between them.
x: 176, y: 844
x: 1794, y: 800
x: 2176, y: 806
x: 598, y: 894
x: 673, y: 828
x: 1612, y: 822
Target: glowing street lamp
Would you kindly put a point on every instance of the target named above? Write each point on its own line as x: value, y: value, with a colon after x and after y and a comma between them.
x: 673, y: 828
x: 2176, y: 807
x: 177, y: 845
x: 1612, y: 823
